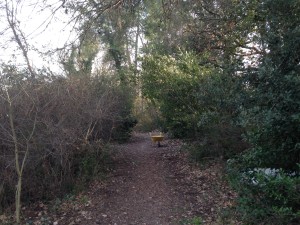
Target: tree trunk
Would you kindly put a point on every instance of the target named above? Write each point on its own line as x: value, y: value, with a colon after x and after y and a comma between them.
x: 18, y: 199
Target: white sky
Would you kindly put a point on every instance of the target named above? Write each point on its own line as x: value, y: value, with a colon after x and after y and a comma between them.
x: 42, y: 30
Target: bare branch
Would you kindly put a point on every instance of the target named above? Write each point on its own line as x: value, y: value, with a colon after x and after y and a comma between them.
x: 18, y: 34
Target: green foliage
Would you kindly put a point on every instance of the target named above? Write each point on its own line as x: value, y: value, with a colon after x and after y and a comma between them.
x: 164, y: 27
x: 124, y: 129
x: 272, y: 120
x: 198, y: 94
x: 195, y: 101
x: 270, y: 116
x: 93, y: 161
x: 148, y: 116
x: 201, y: 95
x: 178, y: 86
x: 266, y: 198
x: 223, y: 142
x: 126, y: 121
x: 193, y: 221
x: 79, y: 62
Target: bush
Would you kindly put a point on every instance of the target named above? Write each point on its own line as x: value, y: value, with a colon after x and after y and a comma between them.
x: 93, y: 160
x: 266, y: 198
x: 270, y: 116
x: 148, y: 115
x: 190, y: 94
x: 170, y: 84
x: 72, y: 119
x: 220, y: 141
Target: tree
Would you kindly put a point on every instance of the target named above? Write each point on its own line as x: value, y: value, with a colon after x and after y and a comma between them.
x: 21, y: 139
x: 81, y: 58
x: 117, y: 27
x: 274, y: 130
x: 20, y: 155
x: 18, y: 35
x: 270, y: 116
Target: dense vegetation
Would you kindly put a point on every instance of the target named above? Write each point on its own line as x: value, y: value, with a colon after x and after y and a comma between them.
x: 236, y: 76
x: 58, y: 128
x: 224, y: 74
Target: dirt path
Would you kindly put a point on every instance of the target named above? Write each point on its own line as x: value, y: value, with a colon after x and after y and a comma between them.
x: 140, y: 190
x: 148, y: 186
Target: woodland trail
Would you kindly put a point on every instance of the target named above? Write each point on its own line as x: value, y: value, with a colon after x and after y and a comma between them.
x: 141, y: 189
x: 147, y: 186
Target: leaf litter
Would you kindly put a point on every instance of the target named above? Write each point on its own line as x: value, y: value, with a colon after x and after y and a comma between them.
x: 148, y: 185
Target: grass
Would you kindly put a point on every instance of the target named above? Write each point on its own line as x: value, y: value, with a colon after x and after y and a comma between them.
x: 193, y: 221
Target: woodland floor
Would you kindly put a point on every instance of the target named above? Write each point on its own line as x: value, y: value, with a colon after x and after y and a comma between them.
x: 148, y: 186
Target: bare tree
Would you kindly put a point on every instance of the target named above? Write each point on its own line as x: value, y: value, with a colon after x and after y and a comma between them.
x: 21, y: 150
x: 19, y: 37
x: 47, y: 128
